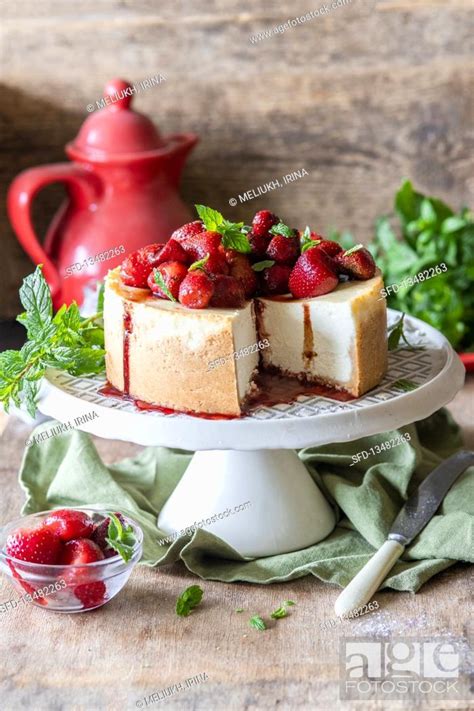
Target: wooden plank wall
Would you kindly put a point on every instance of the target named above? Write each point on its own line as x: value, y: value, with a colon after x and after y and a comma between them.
x: 361, y: 97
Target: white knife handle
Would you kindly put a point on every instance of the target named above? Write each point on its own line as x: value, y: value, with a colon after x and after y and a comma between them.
x: 367, y: 581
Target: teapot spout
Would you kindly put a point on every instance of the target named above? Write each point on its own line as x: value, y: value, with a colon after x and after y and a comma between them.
x: 184, y: 144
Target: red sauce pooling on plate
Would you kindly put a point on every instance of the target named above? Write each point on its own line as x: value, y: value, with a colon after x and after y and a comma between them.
x: 127, y: 330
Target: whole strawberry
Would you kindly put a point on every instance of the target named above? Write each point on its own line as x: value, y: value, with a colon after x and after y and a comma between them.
x: 68, y: 524
x: 188, y: 230
x: 283, y: 250
x: 357, y: 263
x: 259, y: 244
x: 91, y: 594
x: 172, y: 274
x: 35, y: 545
x: 274, y: 280
x: 263, y: 222
x: 173, y: 252
x: 198, y: 246
x: 241, y: 269
x: 228, y: 293
x: 313, y: 275
x: 135, y: 268
x: 196, y: 290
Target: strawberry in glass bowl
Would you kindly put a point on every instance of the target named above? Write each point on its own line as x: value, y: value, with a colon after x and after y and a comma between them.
x: 70, y: 560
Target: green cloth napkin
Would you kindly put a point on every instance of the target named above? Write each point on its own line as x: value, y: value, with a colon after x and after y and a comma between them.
x: 67, y: 471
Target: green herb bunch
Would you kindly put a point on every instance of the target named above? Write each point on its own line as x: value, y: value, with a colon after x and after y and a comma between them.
x: 429, y: 234
x: 65, y: 340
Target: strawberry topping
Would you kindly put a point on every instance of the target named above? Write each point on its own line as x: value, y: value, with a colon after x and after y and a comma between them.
x: 68, y: 524
x: 36, y: 545
x: 263, y: 222
x: 196, y: 290
x: 137, y: 266
x: 172, y: 274
x: 314, y: 274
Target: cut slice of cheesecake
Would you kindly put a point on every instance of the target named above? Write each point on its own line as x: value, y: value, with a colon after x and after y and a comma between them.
x: 183, y: 359
x: 338, y: 339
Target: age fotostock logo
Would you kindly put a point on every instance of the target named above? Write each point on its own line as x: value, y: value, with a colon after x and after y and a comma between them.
x: 400, y: 668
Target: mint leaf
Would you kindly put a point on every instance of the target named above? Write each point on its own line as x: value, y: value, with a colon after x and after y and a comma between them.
x: 212, y: 219
x: 260, y: 266
x: 289, y: 603
x: 306, y: 242
x: 158, y: 277
x: 282, y: 229
x: 396, y: 333
x: 100, y: 298
x: 240, y: 609
x: 257, y: 623
x: 36, y: 299
x: 404, y: 385
x: 200, y: 264
x: 188, y: 600
x: 279, y: 613
x: 353, y: 249
x: 121, y: 539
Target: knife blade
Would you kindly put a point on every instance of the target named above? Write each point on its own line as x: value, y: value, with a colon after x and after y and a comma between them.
x: 421, y: 507
x: 413, y: 517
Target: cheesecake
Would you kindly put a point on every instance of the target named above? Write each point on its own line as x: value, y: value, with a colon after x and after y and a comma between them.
x: 190, y: 325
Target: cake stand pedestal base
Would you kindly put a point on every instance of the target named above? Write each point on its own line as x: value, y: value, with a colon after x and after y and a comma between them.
x: 261, y: 503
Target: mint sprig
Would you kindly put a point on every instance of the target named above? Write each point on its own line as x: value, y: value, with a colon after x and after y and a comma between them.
x: 233, y: 233
x: 188, y: 600
x: 396, y: 333
x: 66, y: 341
x: 121, y: 539
x: 257, y: 623
x: 306, y: 242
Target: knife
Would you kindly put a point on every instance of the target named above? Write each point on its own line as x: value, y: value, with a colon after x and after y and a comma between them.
x: 413, y: 517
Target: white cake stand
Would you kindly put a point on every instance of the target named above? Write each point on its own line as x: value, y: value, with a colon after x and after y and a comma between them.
x: 245, y: 474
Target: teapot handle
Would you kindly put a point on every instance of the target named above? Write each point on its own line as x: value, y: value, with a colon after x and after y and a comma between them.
x: 84, y: 188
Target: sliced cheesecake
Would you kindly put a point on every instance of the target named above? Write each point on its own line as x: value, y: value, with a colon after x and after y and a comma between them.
x: 338, y: 339
x: 163, y: 353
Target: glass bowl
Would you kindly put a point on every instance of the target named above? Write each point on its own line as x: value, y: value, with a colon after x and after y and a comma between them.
x: 67, y: 588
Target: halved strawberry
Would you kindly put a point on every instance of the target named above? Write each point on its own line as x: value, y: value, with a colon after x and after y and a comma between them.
x: 196, y: 290
x: 80, y: 551
x: 173, y: 252
x: 68, y: 524
x: 263, y: 222
x: 241, y: 269
x: 274, y: 280
x: 314, y: 274
x: 101, y: 533
x: 135, y: 268
x: 228, y: 292
x: 259, y: 244
x: 35, y: 545
x: 357, y: 263
x: 172, y: 273
x: 187, y: 230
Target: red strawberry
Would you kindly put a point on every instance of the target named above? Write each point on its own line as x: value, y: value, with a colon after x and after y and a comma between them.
x: 284, y: 250
x: 91, y: 594
x: 330, y: 247
x: 228, y: 292
x: 274, y: 280
x: 358, y: 264
x: 68, y: 524
x: 196, y: 290
x: 136, y: 267
x: 26, y: 586
x: 259, y: 244
x: 173, y: 252
x: 313, y: 274
x: 216, y: 263
x: 80, y: 551
x: 101, y: 532
x: 188, y: 230
x: 35, y: 545
x: 241, y: 269
x: 263, y: 222
x: 197, y: 246
x: 173, y: 274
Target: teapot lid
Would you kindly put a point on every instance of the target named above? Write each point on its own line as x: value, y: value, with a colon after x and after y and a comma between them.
x: 116, y: 129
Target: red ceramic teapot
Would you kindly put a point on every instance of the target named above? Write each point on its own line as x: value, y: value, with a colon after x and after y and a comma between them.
x: 123, y: 193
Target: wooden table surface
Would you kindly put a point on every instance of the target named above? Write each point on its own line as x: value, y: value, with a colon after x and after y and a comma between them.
x: 116, y: 657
